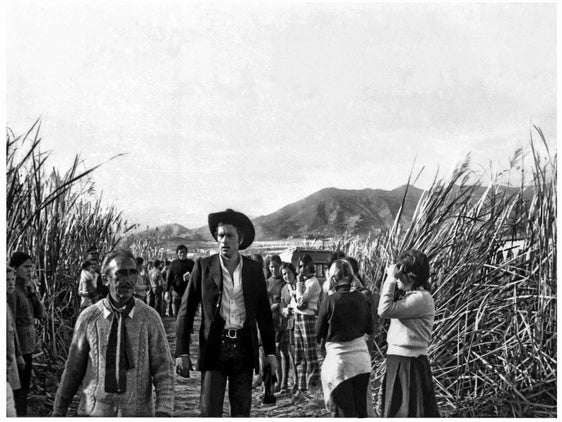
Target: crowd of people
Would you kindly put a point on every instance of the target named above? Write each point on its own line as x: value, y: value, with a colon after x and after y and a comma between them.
x: 160, y: 283
x: 263, y: 322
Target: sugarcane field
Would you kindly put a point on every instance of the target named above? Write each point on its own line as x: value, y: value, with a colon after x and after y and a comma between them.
x: 288, y: 210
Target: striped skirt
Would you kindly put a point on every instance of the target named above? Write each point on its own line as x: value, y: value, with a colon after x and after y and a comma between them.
x: 407, y: 389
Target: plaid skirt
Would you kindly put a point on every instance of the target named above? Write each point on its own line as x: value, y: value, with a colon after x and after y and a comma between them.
x: 408, y: 388
x: 306, y: 356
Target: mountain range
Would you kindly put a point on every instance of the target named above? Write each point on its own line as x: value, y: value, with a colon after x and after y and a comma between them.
x: 332, y: 211
x: 325, y: 213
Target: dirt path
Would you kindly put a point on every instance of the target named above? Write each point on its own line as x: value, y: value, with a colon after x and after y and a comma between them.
x: 187, y: 393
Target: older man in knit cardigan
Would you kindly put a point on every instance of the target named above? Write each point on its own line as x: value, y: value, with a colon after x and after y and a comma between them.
x: 118, y: 352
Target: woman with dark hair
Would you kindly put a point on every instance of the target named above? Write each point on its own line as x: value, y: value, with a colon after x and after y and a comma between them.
x: 308, y: 291
x: 408, y: 384
x: 344, y: 319
x: 26, y: 306
x: 287, y: 334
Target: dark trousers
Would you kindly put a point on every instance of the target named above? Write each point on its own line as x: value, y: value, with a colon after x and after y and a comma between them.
x: 20, y: 396
x: 155, y: 301
x: 236, y: 366
x: 170, y: 307
x: 177, y: 303
x: 158, y: 304
x: 350, y: 397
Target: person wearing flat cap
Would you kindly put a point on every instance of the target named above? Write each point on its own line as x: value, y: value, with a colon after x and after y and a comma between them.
x: 232, y: 291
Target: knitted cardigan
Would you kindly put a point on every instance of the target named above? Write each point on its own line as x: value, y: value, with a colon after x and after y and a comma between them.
x: 86, y: 365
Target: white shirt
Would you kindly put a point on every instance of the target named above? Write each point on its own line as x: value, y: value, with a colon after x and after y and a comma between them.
x: 232, y: 309
x: 308, y: 292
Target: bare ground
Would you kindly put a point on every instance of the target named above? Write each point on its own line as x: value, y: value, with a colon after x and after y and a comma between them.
x: 188, y: 389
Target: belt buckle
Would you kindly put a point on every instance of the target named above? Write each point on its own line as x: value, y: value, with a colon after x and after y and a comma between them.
x: 229, y: 334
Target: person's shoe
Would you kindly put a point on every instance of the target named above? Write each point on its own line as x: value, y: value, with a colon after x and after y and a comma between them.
x: 269, y: 400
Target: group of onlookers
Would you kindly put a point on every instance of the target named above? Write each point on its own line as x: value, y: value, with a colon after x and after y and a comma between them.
x: 297, y: 299
x: 160, y: 283
x: 266, y: 320
x: 335, y: 323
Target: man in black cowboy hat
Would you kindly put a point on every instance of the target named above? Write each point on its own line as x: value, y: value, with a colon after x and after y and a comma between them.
x: 232, y: 292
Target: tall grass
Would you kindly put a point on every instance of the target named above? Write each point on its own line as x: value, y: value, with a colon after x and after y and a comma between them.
x: 55, y: 217
x: 494, y: 339
x: 149, y: 245
x: 494, y: 345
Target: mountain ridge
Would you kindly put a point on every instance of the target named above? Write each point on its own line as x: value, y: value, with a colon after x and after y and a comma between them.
x: 325, y: 213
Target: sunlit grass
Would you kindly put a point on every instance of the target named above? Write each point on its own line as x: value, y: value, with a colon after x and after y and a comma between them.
x: 494, y: 340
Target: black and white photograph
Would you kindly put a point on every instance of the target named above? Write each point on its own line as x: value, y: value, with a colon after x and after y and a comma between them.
x: 283, y: 209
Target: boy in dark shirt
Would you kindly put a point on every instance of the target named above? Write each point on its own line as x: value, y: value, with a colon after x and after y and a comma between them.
x: 177, y: 276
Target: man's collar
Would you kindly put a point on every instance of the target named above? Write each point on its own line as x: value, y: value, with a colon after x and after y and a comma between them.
x: 222, y: 262
x: 104, y: 306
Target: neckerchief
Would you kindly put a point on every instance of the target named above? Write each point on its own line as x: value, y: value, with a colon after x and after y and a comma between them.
x: 119, y: 354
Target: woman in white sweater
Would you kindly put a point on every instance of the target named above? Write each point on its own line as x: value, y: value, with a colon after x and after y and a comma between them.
x: 408, y: 384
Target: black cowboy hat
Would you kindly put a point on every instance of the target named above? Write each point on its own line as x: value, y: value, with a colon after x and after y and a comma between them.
x: 238, y: 220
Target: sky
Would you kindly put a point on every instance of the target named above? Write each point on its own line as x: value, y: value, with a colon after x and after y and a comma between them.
x: 253, y: 106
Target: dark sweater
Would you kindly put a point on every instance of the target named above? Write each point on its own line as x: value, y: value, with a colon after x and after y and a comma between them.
x: 174, y: 278
x: 344, y: 316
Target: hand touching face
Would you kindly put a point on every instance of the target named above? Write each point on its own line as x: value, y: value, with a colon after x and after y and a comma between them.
x: 393, y: 271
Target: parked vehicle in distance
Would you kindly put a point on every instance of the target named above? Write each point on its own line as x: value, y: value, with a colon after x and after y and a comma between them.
x: 319, y: 257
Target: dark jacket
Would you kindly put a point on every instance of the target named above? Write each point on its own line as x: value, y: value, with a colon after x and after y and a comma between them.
x: 174, y: 276
x: 205, y: 287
